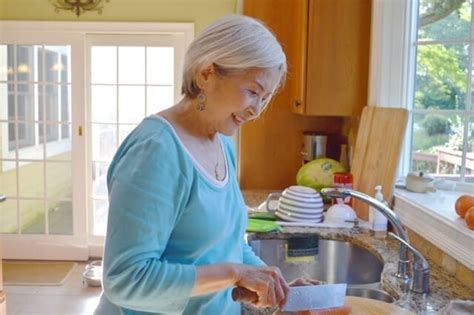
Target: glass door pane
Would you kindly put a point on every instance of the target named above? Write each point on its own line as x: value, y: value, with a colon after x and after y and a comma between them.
x: 127, y: 83
x: 35, y: 137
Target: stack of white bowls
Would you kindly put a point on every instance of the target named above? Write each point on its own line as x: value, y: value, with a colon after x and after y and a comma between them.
x: 300, y: 204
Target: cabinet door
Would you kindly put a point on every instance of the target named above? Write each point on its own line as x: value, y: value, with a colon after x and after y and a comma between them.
x: 297, y: 47
x: 337, y: 57
x: 288, y: 19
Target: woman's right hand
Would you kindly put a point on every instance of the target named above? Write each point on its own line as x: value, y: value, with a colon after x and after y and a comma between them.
x: 260, y: 286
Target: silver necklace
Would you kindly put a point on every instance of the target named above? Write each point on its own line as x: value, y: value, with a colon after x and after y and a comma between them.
x: 216, y: 167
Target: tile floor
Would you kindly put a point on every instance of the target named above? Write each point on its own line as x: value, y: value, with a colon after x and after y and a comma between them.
x: 72, y: 298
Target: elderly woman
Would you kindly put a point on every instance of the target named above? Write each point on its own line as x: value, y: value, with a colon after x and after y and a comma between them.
x: 175, y: 238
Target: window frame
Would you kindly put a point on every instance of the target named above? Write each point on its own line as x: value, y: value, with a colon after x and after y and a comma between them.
x: 465, y: 113
x: 33, y: 139
x: 390, y: 79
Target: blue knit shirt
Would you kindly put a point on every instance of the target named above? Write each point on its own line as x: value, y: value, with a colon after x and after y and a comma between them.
x: 166, y: 217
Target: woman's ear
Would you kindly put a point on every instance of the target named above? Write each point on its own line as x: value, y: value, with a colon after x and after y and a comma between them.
x: 204, y: 76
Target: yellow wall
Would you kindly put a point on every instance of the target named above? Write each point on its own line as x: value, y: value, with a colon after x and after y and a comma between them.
x: 201, y: 12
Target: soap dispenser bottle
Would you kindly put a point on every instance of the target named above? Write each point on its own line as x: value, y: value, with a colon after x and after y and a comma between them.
x: 377, y: 220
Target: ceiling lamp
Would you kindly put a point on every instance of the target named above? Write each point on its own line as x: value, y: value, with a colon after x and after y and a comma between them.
x: 79, y: 6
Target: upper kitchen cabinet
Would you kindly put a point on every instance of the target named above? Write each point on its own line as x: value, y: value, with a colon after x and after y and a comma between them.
x: 336, y: 51
x: 328, y: 54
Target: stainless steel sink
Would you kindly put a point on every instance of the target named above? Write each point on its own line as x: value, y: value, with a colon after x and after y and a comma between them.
x: 370, y: 294
x: 329, y: 260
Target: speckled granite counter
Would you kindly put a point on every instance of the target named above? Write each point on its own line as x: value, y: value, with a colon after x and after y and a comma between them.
x: 443, y: 287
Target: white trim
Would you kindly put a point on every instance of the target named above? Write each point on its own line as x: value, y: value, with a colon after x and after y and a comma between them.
x: 99, y: 27
x: 391, y: 51
x: 440, y: 226
x: 96, y: 246
x: 443, y: 42
x: 44, y: 247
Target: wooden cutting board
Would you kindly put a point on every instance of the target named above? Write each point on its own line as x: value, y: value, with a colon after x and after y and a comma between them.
x: 377, y: 152
x: 364, y: 306
x: 359, y: 306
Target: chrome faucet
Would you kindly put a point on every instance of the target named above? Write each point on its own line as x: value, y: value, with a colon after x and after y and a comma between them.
x: 421, y: 272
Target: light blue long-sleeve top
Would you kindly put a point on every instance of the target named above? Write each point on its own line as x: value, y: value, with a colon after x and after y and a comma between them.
x: 166, y: 217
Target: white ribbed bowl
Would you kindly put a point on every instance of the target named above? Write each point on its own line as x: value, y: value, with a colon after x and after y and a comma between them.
x: 302, y: 194
x: 310, y: 217
x: 300, y: 201
x: 294, y: 218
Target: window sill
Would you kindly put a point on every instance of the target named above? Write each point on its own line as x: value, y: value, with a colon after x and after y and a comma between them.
x: 432, y: 216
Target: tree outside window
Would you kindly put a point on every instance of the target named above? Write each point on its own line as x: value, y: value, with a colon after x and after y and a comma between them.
x: 443, y: 120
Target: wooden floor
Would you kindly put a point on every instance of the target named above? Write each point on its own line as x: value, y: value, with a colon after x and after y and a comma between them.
x: 72, y: 298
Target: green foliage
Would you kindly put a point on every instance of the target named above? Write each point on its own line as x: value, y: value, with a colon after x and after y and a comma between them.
x: 436, y: 124
x: 423, y: 166
x: 440, y: 79
x: 457, y: 134
x: 441, y: 76
x: 427, y: 144
x: 443, y: 20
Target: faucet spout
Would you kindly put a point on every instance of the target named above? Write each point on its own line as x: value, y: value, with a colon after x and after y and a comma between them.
x: 421, y: 272
x: 383, y: 208
x: 391, y: 216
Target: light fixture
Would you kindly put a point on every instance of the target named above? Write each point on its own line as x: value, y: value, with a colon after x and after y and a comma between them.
x: 79, y: 6
x: 23, y: 68
x: 57, y: 67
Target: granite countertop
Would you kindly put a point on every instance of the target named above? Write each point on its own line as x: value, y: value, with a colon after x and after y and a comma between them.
x: 443, y: 286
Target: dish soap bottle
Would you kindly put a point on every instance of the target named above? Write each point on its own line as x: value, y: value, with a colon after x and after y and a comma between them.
x: 377, y: 220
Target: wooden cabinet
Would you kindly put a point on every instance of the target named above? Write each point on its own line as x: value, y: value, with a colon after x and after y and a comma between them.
x: 327, y: 46
x: 270, y: 146
x: 331, y: 60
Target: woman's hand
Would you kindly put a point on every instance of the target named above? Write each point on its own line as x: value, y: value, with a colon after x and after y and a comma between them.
x: 343, y: 310
x: 305, y: 281
x: 260, y: 286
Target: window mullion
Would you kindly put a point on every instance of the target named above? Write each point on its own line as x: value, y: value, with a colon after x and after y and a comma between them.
x: 468, y: 104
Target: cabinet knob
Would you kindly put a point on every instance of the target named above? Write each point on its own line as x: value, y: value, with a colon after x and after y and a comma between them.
x: 296, y: 103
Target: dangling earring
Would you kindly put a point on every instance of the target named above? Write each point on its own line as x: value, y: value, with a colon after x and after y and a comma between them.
x: 201, y: 98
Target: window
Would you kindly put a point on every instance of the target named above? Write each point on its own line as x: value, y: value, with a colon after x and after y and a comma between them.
x: 421, y: 60
x: 38, y: 88
x: 442, y: 114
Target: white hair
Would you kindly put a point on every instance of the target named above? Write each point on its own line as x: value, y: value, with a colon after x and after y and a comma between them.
x: 232, y: 43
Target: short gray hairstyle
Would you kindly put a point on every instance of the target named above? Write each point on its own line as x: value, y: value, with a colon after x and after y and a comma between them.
x: 233, y: 43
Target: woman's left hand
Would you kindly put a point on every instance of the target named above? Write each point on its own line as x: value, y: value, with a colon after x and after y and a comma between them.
x: 305, y: 281
x: 342, y: 310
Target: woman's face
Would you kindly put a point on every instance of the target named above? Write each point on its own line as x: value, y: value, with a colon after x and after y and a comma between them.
x: 236, y: 98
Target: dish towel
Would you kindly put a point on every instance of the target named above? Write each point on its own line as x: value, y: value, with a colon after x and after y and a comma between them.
x: 262, y: 226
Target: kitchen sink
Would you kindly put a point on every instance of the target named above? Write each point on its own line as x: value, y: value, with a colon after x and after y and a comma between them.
x: 370, y: 294
x: 329, y: 260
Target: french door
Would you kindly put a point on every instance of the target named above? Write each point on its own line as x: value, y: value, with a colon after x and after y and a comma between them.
x: 67, y: 100
x: 130, y: 77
